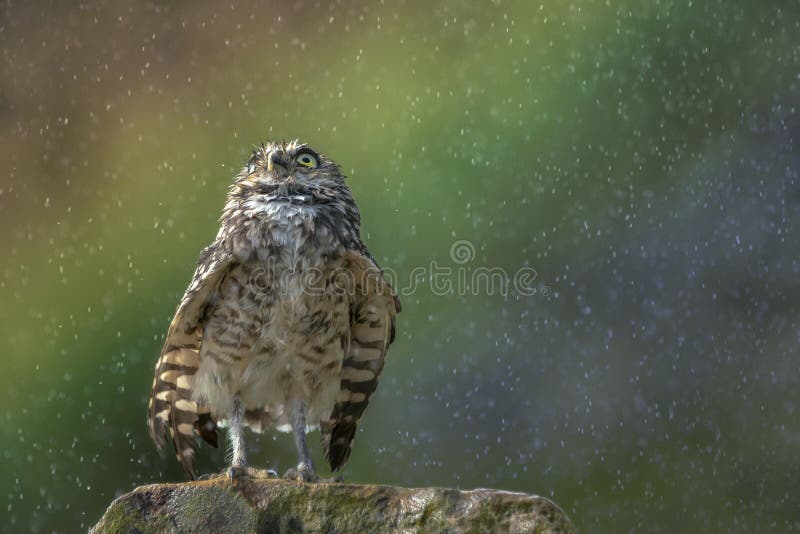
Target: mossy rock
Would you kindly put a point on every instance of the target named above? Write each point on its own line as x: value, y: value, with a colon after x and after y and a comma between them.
x: 275, y: 505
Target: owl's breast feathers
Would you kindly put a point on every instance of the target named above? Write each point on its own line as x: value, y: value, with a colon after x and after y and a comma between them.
x: 292, y: 236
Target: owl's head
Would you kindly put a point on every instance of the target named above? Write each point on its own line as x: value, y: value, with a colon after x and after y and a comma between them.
x: 285, y: 179
x: 291, y: 172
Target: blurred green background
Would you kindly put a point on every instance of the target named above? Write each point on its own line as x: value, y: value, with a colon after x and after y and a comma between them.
x: 642, y: 157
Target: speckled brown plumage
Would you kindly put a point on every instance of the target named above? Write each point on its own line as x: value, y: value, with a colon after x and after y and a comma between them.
x: 287, y: 319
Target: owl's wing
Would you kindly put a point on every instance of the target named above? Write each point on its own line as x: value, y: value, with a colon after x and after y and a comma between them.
x: 171, y: 407
x: 372, y: 326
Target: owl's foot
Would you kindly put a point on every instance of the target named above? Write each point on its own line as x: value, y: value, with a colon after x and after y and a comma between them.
x: 236, y: 472
x: 302, y: 473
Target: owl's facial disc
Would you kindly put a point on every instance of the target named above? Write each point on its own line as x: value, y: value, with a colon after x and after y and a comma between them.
x: 291, y: 164
x: 280, y: 163
x: 290, y: 172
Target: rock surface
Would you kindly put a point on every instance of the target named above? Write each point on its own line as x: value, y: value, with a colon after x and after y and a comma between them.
x: 276, y: 505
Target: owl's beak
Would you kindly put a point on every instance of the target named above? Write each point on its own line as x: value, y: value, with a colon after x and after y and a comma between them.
x: 276, y: 164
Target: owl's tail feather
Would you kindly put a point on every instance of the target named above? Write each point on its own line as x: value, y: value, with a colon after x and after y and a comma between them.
x: 171, y: 407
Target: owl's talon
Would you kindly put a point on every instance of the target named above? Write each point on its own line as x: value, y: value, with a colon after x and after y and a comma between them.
x: 237, y: 472
x: 301, y: 473
x: 260, y: 474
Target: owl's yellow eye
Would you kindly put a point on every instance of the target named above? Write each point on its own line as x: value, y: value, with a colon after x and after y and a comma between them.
x: 307, y: 160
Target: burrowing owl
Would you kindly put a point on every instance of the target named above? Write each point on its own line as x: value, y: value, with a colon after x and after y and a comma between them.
x: 286, y: 322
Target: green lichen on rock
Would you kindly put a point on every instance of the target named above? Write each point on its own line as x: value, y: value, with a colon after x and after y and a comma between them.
x: 275, y: 505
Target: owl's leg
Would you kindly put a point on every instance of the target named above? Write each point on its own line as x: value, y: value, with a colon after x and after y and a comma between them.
x: 305, y: 467
x: 238, y: 458
x: 236, y: 438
